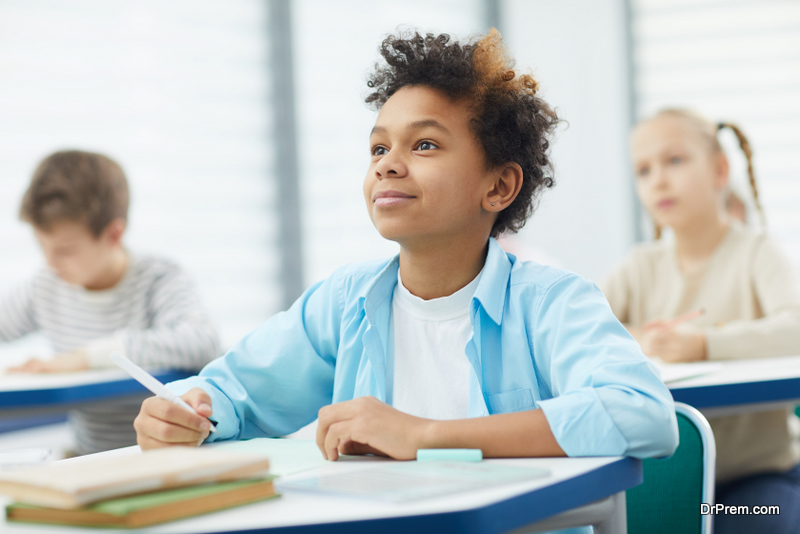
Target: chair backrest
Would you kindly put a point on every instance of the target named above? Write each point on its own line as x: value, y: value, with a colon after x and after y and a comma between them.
x: 669, y: 498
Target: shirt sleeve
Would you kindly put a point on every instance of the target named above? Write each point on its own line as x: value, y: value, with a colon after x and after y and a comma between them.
x: 777, y: 290
x: 16, y: 313
x: 180, y: 333
x: 275, y: 380
x: 608, y: 398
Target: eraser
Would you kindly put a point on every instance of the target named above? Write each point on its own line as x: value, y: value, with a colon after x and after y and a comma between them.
x: 449, y: 455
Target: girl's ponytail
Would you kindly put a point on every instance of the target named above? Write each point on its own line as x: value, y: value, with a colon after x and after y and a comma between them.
x: 748, y: 153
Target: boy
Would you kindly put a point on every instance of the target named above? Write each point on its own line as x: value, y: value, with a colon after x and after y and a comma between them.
x: 453, y: 343
x: 96, y: 297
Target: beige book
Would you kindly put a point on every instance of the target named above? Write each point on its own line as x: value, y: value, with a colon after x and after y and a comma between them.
x: 150, y: 508
x: 74, y: 483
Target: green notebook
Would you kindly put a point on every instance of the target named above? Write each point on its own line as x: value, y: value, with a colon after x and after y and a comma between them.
x: 150, y: 508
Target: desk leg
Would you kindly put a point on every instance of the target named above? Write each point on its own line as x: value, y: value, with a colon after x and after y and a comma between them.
x: 607, y: 516
x: 617, y: 522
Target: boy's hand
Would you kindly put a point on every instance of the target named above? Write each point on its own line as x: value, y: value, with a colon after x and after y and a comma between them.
x: 66, y: 362
x: 163, y: 424
x: 673, y: 343
x: 369, y: 426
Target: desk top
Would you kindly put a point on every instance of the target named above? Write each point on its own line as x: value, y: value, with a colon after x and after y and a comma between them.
x: 742, y: 382
x: 573, y: 482
x: 21, y: 391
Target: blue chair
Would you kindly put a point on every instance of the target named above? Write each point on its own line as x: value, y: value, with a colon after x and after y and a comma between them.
x: 669, y: 499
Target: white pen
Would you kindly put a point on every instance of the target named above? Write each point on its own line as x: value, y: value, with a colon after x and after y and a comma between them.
x: 148, y: 381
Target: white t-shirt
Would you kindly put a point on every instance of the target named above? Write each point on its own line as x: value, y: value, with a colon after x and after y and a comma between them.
x: 431, y: 369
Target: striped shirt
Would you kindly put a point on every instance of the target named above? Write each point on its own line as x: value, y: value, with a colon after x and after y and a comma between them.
x: 153, y: 316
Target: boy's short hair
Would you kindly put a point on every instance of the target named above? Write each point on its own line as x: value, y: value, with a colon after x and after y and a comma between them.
x: 511, y: 122
x: 76, y: 186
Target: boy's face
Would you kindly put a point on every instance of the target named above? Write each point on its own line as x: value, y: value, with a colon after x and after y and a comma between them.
x: 427, y: 177
x: 75, y: 254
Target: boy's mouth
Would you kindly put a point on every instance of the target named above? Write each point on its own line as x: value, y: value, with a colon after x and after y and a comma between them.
x: 390, y: 198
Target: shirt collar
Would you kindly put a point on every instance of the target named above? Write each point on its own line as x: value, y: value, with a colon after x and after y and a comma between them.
x: 490, y: 293
x: 379, y: 291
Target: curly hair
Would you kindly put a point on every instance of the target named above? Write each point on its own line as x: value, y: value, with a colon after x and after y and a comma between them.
x: 510, y: 121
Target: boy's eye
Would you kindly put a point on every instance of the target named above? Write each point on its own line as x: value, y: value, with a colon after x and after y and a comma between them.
x: 426, y: 145
x: 675, y: 160
x: 642, y: 172
x: 379, y: 150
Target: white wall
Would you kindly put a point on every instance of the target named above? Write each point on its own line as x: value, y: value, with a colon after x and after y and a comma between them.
x: 576, y: 49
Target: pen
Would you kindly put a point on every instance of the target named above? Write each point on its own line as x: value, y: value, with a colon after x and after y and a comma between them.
x: 145, y: 379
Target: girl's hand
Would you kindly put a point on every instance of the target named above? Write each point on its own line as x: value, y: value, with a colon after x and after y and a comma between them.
x: 163, y: 424
x: 673, y: 343
x: 66, y: 362
x: 369, y: 426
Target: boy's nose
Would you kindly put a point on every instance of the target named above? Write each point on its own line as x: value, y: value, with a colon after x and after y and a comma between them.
x: 391, y: 166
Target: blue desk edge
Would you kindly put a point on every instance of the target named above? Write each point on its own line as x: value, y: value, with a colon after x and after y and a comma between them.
x: 766, y: 391
x: 50, y: 397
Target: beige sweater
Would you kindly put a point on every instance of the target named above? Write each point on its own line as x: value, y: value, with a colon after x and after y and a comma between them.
x: 751, y: 297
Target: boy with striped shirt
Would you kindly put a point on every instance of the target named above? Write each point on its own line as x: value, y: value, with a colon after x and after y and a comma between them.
x: 95, y: 297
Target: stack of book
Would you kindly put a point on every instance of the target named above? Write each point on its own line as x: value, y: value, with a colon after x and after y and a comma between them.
x: 136, y: 490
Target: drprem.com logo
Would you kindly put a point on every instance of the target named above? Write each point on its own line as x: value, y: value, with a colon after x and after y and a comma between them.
x: 721, y: 509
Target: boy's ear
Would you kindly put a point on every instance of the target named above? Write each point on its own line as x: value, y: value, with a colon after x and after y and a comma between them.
x: 114, y: 231
x: 506, y: 186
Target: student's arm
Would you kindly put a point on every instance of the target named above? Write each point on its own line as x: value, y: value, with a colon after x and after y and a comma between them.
x: 777, y: 290
x: 275, y: 380
x: 656, y: 338
x: 607, y: 397
x: 180, y: 336
x: 16, y: 313
x: 367, y: 425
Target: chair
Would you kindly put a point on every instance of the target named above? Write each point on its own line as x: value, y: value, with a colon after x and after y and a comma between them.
x: 669, y: 499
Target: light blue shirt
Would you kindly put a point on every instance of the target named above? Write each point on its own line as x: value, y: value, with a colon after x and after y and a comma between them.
x: 541, y: 338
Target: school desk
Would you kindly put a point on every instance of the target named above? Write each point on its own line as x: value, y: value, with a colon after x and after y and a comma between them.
x: 40, y: 394
x: 741, y: 386
x: 573, y: 483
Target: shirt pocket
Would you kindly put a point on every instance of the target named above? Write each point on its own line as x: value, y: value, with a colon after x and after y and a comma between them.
x: 516, y: 400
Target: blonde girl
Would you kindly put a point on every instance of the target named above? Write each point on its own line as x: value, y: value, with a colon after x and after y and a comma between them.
x: 738, y: 287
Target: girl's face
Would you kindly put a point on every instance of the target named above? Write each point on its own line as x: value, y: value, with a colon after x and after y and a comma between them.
x: 427, y: 177
x: 679, y: 178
